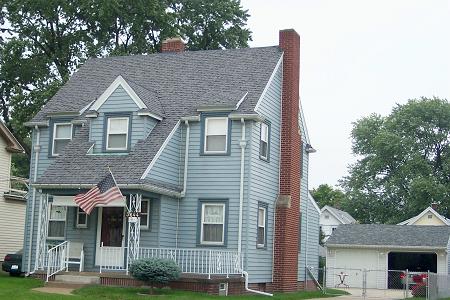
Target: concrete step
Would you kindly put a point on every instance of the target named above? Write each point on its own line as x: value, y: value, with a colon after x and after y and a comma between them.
x: 63, y: 285
x: 77, y: 279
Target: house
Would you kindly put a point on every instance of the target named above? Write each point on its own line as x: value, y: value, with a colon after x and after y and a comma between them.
x: 428, y: 216
x: 12, y: 200
x: 385, y: 250
x: 206, y: 148
x: 331, y: 218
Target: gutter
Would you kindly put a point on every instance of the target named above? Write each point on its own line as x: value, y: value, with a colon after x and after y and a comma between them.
x: 37, y: 150
x: 385, y: 246
x: 243, y: 144
x: 144, y: 187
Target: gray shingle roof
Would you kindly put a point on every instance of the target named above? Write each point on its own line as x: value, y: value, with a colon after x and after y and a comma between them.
x: 174, y: 84
x: 343, y: 215
x: 390, y: 235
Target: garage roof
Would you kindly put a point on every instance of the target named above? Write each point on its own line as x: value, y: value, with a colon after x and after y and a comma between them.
x: 376, y: 235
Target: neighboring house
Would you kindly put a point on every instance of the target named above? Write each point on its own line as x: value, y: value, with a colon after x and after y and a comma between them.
x: 205, y: 147
x: 429, y: 216
x: 331, y: 218
x: 380, y: 248
x: 12, y: 199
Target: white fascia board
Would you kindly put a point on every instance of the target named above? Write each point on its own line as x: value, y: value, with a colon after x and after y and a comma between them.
x: 149, y: 114
x: 388, y: 247
x: 428, y: 210
x: 240, y: 101
x: 161, y: 149
x: 331, y: 212
x: 269, y: 82
x: 119, y: 81
x: 311, y: 199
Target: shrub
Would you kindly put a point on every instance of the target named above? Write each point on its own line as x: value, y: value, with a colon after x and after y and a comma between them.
x: 155, y: 271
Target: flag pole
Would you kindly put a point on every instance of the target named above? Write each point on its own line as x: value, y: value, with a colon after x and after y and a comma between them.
x: 110, y: 172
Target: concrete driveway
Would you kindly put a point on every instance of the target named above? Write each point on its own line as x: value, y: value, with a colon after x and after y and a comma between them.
x: 372, y: 294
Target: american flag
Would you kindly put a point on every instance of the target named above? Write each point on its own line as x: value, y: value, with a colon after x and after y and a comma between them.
x: 103, y: 193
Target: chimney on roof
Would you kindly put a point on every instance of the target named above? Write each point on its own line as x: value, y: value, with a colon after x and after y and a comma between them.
x: 287, y: 215
x: 174, y: 44
x: 434, y: 206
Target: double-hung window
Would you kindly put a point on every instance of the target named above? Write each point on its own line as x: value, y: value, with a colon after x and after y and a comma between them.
x: 145, y: 214
x: 213, y: 224
x: 81, y: 218
x: 216, y: 135
x: 57, y: 222
x: 264, y: 141
x: 117, y: 133
x: 262, y: 226
x: 62, y: 135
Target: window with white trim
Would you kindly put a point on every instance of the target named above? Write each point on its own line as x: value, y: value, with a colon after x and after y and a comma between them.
x: 216, y: 135
x: 264, y: 141
x: 145, y: 214
x: 261, y: 230
x: 81, y: 218
x: 213, y: 224
x: 117, y: 133
x: 62, y: 135
x: 57, y: 222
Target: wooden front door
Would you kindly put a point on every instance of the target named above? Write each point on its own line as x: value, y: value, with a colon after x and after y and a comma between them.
x: 110, y: 234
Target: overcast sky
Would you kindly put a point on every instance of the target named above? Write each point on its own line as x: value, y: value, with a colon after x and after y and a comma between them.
x: 357, y: 57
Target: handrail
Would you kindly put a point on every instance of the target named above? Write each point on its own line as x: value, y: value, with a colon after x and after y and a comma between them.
x: 57, y: 258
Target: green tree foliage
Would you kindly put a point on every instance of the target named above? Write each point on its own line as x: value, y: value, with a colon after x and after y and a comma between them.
x: 404, y: 162
x: 155, y: 271
x: 43, y: 42
x: 327, y: 195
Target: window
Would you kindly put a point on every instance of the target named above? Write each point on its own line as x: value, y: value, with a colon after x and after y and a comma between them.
x: 62, y: 135
x: 216, y: 135
x: 261, y: 230
x: 81, y: 218
x: 57, y: 222
x: 430, y: 216
x: 145, y: 214
x: 264, y: 141
x: 327, y: 216
x: 213, y: 224
x: 117, y: 134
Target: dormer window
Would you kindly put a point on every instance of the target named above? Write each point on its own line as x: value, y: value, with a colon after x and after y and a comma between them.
x: 117, y: 133
x: 216, y: 135
x: 62, y: 135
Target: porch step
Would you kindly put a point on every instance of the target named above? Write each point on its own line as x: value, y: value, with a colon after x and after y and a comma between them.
x: 77, y: 279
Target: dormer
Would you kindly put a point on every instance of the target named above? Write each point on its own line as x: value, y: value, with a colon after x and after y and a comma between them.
x: 124, y: 114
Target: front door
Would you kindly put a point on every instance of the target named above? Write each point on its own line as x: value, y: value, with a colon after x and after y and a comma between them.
x: 110, y: 234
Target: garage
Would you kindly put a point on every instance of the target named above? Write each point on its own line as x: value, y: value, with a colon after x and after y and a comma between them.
x: 383, y: 252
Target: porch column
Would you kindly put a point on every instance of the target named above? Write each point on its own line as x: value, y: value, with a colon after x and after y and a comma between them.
x: 42, y: 230
x: 134, y: 228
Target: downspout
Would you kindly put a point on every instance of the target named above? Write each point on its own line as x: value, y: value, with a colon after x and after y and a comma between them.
x: 253, y: 291
x: 243, y: 144
x: 37, y: 149
x: 185, y: 174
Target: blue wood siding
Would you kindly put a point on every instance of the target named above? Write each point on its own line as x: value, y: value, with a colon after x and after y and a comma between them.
x: 264, y: 185
x: 118, y: 102
x: 150, y: 237
x: 168, y: 222
x: 310, y: 228
x: 169, y: 166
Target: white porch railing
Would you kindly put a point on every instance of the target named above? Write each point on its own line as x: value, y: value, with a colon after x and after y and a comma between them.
x: 198, y: 261
x: 57, y: 259
x: 112, y: 258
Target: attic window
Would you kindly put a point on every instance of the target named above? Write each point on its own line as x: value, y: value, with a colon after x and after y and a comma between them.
x: 430, y: 216
x: 62, y: 135
x: 117, y: 134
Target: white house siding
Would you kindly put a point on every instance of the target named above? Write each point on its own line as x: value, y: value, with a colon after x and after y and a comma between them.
x: 327, y: 224
x: 12, y: 213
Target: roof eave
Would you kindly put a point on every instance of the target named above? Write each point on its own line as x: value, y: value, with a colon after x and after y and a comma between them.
x: 385, y: 246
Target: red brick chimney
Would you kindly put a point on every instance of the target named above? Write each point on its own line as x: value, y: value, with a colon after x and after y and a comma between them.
x: 287, y: 216
x: 172, y: 45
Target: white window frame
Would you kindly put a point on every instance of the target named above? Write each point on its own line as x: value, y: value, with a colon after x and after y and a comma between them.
x: 206, y: 135
x: 264, y: 226
x: 266, y: 141
x: 59, y: 139
x: 202, y: 241
x: 78, y: 225
x: 146, y: 214
x: 57, y: 220
x: 126, y: 133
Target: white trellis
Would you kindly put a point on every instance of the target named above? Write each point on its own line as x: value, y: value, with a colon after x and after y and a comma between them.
x: 134, y: 227
x: 42, y: 231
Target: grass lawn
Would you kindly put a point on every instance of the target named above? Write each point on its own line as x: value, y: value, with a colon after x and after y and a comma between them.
x: 20, y: 288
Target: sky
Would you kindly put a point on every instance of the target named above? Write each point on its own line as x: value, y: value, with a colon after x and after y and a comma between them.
x: 357, y: 57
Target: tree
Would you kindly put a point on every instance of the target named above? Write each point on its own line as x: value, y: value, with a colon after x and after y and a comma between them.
x: 327, y: 195
x: 43, y: 42
x: 404, y: 162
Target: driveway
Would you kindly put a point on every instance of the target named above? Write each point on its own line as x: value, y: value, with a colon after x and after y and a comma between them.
x: 372, y: 294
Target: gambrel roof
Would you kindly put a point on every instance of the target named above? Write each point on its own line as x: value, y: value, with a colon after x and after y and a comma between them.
x: 173, y: 85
